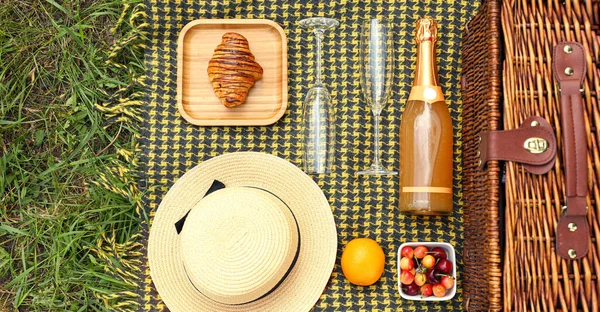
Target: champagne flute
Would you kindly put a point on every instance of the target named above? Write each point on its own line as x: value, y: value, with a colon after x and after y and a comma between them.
x: 376, y: 78
x: 317, y: 115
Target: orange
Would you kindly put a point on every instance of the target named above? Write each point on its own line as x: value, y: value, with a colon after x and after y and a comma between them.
x: 363, y: 261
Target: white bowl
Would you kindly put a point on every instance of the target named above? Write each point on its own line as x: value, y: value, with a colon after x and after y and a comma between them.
x: 451, y: 256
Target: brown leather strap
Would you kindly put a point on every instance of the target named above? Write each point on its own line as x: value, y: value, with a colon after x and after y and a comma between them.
x: 573, y: 234
x: 533, y: 145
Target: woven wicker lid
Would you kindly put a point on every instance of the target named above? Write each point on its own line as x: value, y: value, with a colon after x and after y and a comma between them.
x: 273, y: 180
x: 238, y: 243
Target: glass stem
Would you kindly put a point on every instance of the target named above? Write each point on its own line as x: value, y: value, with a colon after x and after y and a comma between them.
x: 377, y: 159
x: 318, y: 39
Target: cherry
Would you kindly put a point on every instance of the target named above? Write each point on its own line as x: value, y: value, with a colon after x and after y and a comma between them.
x: 447, y: 281
x: 407, y: 264
x: 431, y: 276
x: 439, y: 290
x: 407, y: 252
x: 420, y: 252
x: 426, y: 290
x: 428, y: 262
x: 420, y: 279
x: 406, y: 278
x: 444, y: 266
x: 438, y: 253
x: 411, y: 289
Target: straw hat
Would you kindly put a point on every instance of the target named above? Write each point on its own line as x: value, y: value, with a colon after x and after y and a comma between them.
x: 242, y: 232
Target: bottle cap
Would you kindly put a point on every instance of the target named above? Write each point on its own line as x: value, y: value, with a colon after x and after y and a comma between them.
x: 426, y: 30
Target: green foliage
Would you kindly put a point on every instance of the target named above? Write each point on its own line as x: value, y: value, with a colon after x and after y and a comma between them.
x: 57, y: 148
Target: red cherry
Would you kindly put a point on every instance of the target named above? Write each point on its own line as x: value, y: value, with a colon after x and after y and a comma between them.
x: 406, y: 278
x: 407, y: 252
x: 438, y: 253
x: 426, y: 290
x: 444, y: 266
x: 420, y: 252
x: 432, y: 277
x: 411, y: 289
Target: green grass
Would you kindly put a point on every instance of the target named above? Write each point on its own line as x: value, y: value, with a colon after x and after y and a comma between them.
x: 54, y: 148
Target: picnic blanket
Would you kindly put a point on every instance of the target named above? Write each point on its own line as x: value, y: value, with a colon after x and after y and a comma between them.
x: 363, y: 206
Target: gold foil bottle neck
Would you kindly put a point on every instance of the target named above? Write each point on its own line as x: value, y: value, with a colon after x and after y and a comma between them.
x: 426, y: 30
x: 426, y: 85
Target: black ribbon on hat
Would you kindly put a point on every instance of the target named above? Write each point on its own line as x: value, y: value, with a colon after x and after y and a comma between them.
x: 215, y: 186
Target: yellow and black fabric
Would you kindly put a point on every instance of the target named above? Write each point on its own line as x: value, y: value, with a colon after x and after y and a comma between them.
x: 363, y: 206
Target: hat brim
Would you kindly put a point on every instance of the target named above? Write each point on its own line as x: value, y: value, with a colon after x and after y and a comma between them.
x: 304, y: 285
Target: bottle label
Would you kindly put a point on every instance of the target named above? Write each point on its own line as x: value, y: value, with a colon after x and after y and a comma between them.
x: 429, y: 94
x: 426, y: 189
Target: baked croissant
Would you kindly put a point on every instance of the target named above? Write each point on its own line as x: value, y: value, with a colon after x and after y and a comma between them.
x: 232, y: 70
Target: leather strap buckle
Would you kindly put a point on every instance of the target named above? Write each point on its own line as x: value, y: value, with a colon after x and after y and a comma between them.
x: 533, y: 145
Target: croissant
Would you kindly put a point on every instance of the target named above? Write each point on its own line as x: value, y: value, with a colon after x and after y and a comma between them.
x: 232, y: 70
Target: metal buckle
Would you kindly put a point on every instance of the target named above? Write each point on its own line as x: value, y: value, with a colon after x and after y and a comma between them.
x: 536, y: 145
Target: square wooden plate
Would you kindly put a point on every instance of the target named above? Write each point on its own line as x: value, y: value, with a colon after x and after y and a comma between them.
x: 196, y: 100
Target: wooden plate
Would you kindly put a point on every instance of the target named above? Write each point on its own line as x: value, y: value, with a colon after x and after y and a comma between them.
x: 196, y: 100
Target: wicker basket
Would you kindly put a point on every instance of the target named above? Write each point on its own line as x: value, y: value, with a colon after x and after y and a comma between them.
x: 507, y: 77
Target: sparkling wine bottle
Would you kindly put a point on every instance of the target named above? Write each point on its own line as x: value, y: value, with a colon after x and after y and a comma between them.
x: 426, y: 135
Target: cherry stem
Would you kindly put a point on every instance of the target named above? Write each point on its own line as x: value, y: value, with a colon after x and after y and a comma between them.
x: 445, y: 275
